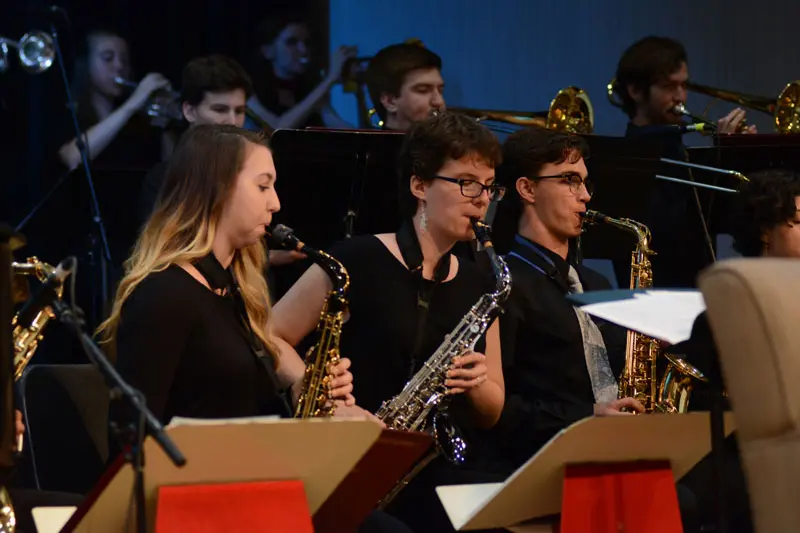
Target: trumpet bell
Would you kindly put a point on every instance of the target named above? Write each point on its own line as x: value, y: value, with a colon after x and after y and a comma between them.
x: 36, y: 52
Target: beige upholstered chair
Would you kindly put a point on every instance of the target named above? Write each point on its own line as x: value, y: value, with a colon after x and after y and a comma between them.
x: 754, y: 313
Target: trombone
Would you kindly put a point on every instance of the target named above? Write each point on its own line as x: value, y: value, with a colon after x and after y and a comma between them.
x: 35, y: 50
x: 570, y: 111
x: 784, y: 109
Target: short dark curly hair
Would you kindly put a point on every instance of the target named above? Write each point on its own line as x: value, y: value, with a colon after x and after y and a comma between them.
x: 763, y: 203
x: 430, y: 143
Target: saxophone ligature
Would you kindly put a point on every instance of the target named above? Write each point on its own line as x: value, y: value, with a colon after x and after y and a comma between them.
x: 314, y: 399
x: 639, y: 378
x: 423, y: 402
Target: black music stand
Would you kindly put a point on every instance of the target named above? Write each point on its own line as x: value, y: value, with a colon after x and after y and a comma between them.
x: 334, y: 184
x: 623, y: 171
x: 9, y: 241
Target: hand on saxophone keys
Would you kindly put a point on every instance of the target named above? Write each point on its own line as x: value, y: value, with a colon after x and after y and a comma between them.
x: 623, y: 406
x: 468, y: 371
x: 340, y: 384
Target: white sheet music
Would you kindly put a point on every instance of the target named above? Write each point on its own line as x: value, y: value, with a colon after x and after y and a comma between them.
x: 663, y: 314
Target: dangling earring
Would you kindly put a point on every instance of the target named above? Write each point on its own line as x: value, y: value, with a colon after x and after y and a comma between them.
x: 423, y: 218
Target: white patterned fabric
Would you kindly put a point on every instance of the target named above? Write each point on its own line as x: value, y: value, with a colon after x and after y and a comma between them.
x: 604, y: 384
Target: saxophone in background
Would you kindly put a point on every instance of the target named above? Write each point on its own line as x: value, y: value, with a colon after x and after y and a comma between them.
x: 27, y: 337
x: 314, y: 398
x: 640, y: 376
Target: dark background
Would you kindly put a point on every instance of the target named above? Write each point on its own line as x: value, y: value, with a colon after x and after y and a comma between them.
x: 163, y: 36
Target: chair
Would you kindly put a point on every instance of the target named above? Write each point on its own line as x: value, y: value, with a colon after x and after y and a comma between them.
x: 66, y: 417
x: 754, y: 312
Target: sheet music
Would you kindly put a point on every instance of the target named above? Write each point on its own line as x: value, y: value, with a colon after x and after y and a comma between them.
x: 665, y: 315
x: 51, y: 519
x: 186, y: 421
x: 461, y: 502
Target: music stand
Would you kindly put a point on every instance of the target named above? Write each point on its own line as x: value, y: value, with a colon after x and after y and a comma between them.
x: 623, y: 171
x: 9, y: 241
x: 334, y: 184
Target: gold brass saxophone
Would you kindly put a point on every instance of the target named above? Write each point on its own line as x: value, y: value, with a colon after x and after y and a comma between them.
x: 27, y: 338
x: 639, y: 378
x: 314, y: 399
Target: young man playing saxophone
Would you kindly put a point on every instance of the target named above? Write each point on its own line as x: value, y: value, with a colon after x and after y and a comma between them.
x: 559, y: 364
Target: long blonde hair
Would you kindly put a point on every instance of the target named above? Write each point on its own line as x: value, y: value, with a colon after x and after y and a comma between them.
x: 199, y: 181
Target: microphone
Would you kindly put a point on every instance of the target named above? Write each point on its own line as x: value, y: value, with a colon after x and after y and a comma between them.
x: 46, y: 294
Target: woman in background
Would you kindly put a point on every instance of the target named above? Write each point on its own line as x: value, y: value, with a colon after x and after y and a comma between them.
x: 287, y: 95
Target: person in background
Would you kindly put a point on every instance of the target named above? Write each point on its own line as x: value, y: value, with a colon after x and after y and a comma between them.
x: 286, y: 94
x: 405, y: 85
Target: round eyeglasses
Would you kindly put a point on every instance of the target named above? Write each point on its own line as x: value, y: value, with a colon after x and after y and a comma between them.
x: 473, y: 188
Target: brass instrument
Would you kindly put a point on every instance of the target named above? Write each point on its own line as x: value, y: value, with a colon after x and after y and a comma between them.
x: 314, y: 399
x: 26, y: 339
x: 639, y: 378
x: 570, y: 111
x: 35, y: 50
x: 163, y: 106
x: 783, y: 109
x: 424, y: 398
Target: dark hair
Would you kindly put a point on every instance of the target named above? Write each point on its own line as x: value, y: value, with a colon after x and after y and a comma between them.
x: 81, y: 83
x: 763, y: 203
x: 525, y: 152
x: 430, y: 143
x: 387, y: 70
x: 645, y: 63
x: 213, y: 74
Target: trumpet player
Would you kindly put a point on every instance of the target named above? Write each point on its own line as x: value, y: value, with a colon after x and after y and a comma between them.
x: 405, y: 84
x: 287, y: 94
x: 115, y: 134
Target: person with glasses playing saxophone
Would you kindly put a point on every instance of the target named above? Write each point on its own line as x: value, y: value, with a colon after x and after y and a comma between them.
x: 560, y: 364
x: 407, y: 291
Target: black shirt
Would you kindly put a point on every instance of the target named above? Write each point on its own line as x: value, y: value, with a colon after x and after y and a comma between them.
x: 279, y: 96
x: 380, y: 334
x: 183, y: 347
x: 544, y: 366
x: 150, y: 189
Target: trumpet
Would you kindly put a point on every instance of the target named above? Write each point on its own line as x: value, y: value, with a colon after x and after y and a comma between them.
x: 570, y: 111
x: 35, y: 50
x: 163, y: 107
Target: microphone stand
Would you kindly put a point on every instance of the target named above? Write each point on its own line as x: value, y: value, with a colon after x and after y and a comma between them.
x: 119, y: 389
x: 97, y: 220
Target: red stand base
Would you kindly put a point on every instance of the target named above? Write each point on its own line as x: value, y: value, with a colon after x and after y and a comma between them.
x: 635, y: 497
x: 275, y: 506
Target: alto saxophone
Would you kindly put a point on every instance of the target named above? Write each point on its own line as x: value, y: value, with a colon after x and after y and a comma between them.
x: 639, y: 378
x: 424, y: 398
x: 314, y: 400
x: 27, y: 338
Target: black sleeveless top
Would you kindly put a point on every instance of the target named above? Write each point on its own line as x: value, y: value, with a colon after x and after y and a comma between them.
x: 381, y: 333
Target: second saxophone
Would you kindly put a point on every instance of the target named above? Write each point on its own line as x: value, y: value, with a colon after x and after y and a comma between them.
x: 639, y: 377
x: 314, y: 400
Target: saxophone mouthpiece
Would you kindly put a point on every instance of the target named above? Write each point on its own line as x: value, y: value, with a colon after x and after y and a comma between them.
x: 285, y: 237
x: 593, y: 217
x: 482, y: 232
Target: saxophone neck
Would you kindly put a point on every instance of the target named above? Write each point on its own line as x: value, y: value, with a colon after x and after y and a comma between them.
x: 641, y: 231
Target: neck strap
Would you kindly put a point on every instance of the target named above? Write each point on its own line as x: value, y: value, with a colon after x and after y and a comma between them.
x: 411, y: 251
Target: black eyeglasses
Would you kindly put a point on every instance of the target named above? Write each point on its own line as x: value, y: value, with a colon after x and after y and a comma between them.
x: 573, y: 180
x: 473, y: 188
